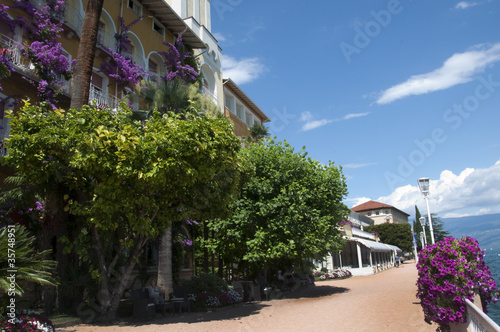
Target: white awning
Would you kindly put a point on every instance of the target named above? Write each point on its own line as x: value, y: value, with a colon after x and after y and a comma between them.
x: 377, y: 246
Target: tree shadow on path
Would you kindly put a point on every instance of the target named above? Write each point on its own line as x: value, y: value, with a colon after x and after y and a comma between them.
x: 313, y: 292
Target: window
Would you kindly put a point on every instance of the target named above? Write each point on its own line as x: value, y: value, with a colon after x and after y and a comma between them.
x: 158, y: 27
x: 135, y: 6
x: 240, y: 112
x: 386, y: 211
x: 377, y: 212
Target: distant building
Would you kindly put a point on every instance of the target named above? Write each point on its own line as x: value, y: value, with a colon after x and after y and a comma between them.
x: 382, y: 213
x: 241, y: 110
x: 363, y: 253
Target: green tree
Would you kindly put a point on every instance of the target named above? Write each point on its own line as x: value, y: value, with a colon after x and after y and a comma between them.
x: 19, y: 254
x: 127, y: 180
x: 287, y: 212
x: 257, y: 133
x: 395, y: 234
x: 175, y: 96
x: 417, y: 228
x: 438, y: 227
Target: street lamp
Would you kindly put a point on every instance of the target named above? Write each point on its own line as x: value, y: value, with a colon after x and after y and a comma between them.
x: 423, y: 184
x: 422, y: 222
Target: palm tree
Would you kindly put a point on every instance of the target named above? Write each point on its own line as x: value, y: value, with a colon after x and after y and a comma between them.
x: 86, y: 53
x: 257, y: 133
x: 20, y: 256
x: 176, y: 96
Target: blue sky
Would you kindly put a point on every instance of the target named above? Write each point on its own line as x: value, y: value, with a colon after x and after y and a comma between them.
x: 390, y: 90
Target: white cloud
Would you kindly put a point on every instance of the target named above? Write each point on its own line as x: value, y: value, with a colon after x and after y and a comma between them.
x: 360, y: 165
x: 459, y: 68
x: 310, y: 124
x: 352, y: 202
x: 315, y: 124
x: 219, y: 37
x: 243, y: 70
x: 472, y: 192
x: 465, y: 5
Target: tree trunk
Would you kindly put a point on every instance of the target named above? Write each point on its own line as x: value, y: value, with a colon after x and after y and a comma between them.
x: 86, y: 53
x: 110, y: 295
x: 165, y: 274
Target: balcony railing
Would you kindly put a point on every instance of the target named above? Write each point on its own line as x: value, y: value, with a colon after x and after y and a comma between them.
x: 209, y: 93
x: 13, y: 51
x: 478, y: 321
x: 74, y: 19
x: 102, y: 100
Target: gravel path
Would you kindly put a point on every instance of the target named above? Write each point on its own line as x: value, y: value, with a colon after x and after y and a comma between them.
x: 382, y: 302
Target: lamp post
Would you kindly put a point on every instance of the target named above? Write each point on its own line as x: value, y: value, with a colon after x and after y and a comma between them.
x: 422, y: 222
x: 423, y: 184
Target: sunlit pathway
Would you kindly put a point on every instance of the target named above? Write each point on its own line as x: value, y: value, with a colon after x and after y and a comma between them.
x: 383, y: 302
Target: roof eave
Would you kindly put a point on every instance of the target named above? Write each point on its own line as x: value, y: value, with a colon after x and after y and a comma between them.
x: 169, y: 18
x: 240, y: 94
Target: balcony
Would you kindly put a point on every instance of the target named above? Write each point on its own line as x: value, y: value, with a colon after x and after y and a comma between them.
x: 102, y: 100
x: 74, y: 19
x: 13, y: 52
x: 210, y: 94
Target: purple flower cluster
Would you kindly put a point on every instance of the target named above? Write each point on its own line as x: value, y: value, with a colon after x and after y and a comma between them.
x: 44, y: 53
x: 449, y: 272
x: 120, y: 67
x: 27, y: 322
x: 175, y: 62
x: 123, y: 69
x: 192, y: 222
x: 345, y: 222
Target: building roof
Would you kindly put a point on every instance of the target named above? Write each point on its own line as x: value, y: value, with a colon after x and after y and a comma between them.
x: 242, y: 96
x: 372, y: 205
x: 169, y: 18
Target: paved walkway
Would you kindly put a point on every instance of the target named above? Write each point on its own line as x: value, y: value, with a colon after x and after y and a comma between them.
x: 382, y: 302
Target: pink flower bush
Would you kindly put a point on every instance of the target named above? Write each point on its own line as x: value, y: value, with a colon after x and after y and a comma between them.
x: 449, y: 272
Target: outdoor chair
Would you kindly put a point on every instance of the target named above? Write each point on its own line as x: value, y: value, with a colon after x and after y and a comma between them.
x: 180, y: 299
x: 142, y: 307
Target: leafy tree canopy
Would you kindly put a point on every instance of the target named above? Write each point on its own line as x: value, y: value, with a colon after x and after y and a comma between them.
x: 287, y: 212
x: 128, y: 180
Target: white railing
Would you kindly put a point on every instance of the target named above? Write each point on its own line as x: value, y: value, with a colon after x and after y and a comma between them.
x: 102, y: 100
x: 13, y: 52
x: 209, y: 93
x: 478, y: 321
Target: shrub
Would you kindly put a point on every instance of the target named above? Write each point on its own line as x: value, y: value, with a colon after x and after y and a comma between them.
x: 449, y: 272
x: 209, y: 291
x: 206, y: 282
x: 27, y: 323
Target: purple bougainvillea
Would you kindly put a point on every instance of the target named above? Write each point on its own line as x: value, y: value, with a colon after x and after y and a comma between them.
x: 175, y: 61
x: 449, y: 272
x: 121, y: 67
x: 46, y: 55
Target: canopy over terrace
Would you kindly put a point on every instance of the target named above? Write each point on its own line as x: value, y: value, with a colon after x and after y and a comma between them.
x: 364, y: 257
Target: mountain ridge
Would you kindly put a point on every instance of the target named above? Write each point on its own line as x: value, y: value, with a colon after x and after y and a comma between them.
x: 485, y: 228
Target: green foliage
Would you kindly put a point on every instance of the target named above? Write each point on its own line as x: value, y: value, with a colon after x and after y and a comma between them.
x: 257, y: 133
x: 205, y: 282
x: 176, y: 96
x: 126, y: 180
x: 287, y: 212
x: 395, y: 234
x: 18, y: 253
